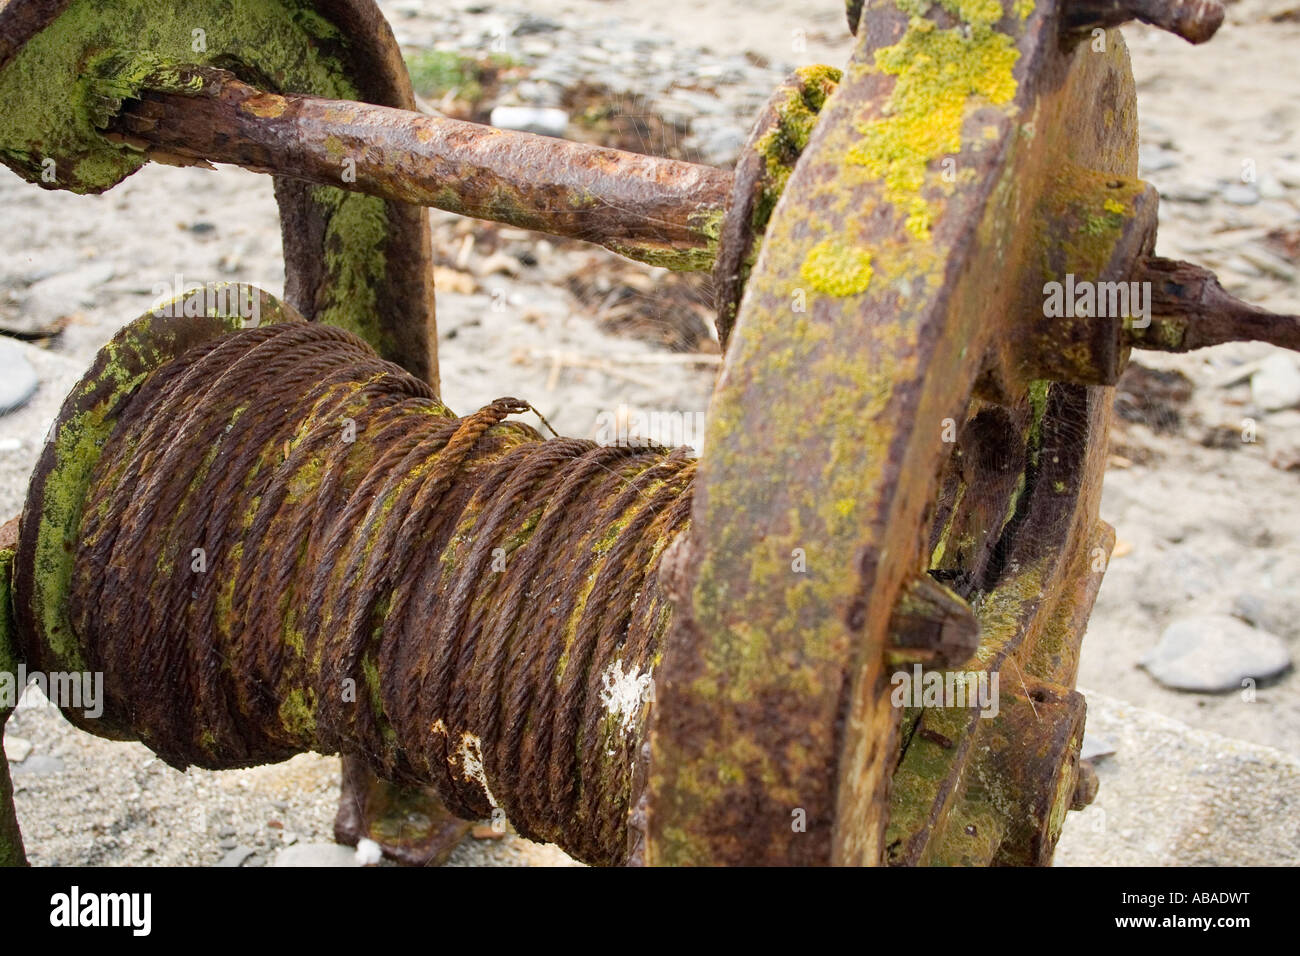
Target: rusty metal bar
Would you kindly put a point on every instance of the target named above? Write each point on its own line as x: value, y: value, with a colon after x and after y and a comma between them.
x: 1196, y: 21
x: 661, y: 211
x: 1190, y: 310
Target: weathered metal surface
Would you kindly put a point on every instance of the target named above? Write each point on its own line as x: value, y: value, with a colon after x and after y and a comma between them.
x: 1190, y: 310
x: 467, y: 608
x: 773, y: 708
x: 11, y: 838
x: 1034, y: 595
x: 410, y: 823
x: 775, y: 142
x: 1032, y: 619
x: 1095, y: 225
x: 660, y: 211
x: 355, y: 261
x: 912, y: 287
x: 1194, y: 20
x: 930, y: 625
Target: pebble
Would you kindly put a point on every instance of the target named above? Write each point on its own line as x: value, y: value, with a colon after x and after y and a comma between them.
x: 528, y: 119
x: 1276, y: 385
x: 1214, y: 652
x: 1095, y: 747
x: 723, y: 146
x: 531, y: 24
x: 1270, y: 188
x: 1288, y: 174
x: 18, y: 380
x: 40, y: 763
x: 236, y: 856
x: 1240, y: 194
x: 316, y: 854
x: 1153, y: 159
x: 17, y: 748
x: 62, y: 294
x: 1277, y: 610
x: 1186, y: 192
x: 498, y: 262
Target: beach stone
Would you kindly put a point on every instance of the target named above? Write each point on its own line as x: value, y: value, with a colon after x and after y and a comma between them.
x: 1276, y: 610
x: 65, y: 292
x: 529, y: 119
x: 39, y: 763
x: 316, y: 854
x: 531, y: 24
x: 1240, y: 194
x: 17, y: 748
x: 1213, y: 653
x: 1276, y: 385
x: 18, y: 380
x: 1186, y: 192
x: 235, y: 857
x: 1153, y: 159
x: 1095, y: 747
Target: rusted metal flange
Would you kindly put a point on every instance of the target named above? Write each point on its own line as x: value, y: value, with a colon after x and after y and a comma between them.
x: 894, y: 279
x: 49, y: 528
x: 350, y: 260
x: 11, y: 838
x: 777, y: 138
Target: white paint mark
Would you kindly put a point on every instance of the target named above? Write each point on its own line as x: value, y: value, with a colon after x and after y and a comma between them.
x: 471, y: 762
x: 368, y: 852
x: 622, y: 695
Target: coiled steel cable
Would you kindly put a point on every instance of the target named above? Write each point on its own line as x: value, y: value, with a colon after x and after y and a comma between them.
x: 290, y: 545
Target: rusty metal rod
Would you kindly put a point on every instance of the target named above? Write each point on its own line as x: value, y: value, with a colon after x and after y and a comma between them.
x: 1190, y: 310
x: 1196, y: 21
x: 661, y: 211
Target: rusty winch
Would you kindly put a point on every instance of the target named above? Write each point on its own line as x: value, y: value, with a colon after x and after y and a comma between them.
x: 258, y: 520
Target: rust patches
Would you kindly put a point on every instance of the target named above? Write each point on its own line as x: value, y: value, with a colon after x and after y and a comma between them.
x: 660, y: 211
x: 464, y: 607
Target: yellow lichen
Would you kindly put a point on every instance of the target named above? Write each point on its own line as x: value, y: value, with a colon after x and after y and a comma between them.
x: 942, y: 75
x: 837, y: 268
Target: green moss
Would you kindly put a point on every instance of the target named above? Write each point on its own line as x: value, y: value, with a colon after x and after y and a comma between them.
x: 781, y: 146
x: 1038, y: 392
x: 55, y: 100
x: 120, y: 368
x: 298, y: 713
x: 355, y: 257
x: 57, y: 96
x: 8, y: 652
x: 435, y: 73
